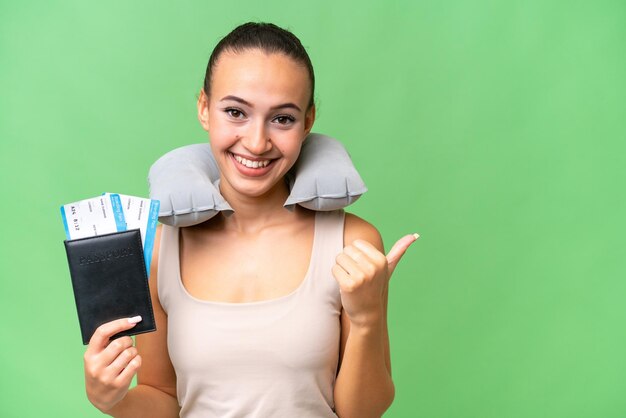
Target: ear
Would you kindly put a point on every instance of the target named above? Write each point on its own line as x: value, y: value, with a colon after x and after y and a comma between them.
x: 203, y: 110
x: 309, y: 118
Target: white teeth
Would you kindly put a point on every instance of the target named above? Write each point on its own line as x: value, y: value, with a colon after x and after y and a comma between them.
x: 251, y: 164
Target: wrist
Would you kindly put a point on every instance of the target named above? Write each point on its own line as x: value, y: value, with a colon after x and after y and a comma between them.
x: 112, y: 407
x: 365, y: 324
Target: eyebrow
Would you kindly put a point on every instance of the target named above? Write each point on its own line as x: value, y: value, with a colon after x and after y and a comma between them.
x: 246, y: 103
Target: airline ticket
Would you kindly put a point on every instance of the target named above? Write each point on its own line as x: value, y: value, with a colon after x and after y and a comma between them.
x: 142, y: 214
x: 94, y: 216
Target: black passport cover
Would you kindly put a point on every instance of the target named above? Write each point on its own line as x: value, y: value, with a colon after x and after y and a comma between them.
x: 110, y: 281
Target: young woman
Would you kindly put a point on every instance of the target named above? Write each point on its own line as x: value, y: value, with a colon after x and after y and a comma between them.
x: 267, y: 312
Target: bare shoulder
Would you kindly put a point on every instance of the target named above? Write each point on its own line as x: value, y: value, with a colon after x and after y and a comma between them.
x: 356, y: 228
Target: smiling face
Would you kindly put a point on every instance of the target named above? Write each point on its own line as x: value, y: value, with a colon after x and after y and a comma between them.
x: 257, y: 117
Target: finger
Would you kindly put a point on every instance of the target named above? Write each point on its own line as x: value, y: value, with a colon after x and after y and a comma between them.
x: 366, y: 265
x: 114, y: 349
x: 350, y: 264
x: 129, y: 371
x: 398, y: 250
x: 100, y: 338
x: 121, y: 362
x: 346, y: 283
x: 97, y: 364
x: 370, y: 251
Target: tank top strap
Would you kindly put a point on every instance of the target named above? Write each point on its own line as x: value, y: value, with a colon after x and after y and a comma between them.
x: 329, y: 234
x: 328, y: 244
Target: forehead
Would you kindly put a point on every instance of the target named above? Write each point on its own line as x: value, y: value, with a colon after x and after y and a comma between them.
x: 260, y: 76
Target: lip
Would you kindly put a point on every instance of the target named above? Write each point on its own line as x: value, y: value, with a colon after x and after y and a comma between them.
x: 251, y: 172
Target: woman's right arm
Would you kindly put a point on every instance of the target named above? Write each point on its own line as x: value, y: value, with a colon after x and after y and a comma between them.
x: 111, y: 365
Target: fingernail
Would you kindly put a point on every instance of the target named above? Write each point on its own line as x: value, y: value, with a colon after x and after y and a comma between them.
x: 416, y: 235
x: 134, y: 319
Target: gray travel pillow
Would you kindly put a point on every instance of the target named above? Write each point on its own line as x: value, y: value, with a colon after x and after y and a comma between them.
x: 186, y: 181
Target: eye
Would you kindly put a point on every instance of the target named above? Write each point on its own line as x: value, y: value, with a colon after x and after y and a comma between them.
x: 284, y: 119
x: 234, y: 113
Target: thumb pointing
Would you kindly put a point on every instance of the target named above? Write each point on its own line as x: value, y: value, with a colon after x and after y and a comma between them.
x: 398, y: 250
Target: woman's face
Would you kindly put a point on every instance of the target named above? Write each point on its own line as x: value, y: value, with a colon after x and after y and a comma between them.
x: 257, y: 119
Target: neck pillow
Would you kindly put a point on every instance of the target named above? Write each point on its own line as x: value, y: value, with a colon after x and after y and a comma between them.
x: 186, y: 181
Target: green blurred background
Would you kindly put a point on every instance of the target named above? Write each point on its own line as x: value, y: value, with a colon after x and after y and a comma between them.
x: 495, y: 129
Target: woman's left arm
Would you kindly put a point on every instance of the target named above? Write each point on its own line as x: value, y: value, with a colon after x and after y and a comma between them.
x: 364, y: 387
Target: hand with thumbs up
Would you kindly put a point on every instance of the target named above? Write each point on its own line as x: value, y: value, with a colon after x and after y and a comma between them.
x: 363, y: 272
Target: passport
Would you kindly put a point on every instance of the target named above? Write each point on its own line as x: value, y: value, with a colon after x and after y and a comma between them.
x: 110, y: 281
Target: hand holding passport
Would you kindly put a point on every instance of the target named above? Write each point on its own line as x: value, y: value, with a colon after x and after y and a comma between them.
x: 109, y: 248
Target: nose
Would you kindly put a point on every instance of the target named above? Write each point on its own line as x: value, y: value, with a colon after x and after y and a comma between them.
x: 257, y: 139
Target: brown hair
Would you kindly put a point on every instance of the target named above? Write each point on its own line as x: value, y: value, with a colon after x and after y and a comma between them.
x: 268, y: 38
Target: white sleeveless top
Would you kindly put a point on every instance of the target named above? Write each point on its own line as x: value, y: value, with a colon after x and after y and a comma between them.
x: 272, y: 358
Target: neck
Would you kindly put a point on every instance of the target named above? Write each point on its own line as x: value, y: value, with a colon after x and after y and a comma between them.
x: 254, y: 213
